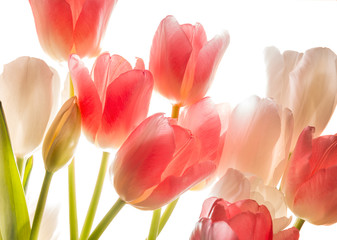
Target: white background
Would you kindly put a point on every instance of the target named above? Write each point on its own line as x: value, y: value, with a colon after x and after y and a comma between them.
x: 253, y: 25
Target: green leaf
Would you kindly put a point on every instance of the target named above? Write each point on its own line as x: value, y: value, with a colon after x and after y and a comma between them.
x: 14, y: 219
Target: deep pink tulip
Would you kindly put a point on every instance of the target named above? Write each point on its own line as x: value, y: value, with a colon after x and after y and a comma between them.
x: 242, y: 220
x: 310, y: 181
x: 71, y: 26
x: 113, y: 100
x: 183, y: 62
x: 161, y: 159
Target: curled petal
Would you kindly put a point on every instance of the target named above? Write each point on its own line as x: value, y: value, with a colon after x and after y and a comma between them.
x: 88, y: 98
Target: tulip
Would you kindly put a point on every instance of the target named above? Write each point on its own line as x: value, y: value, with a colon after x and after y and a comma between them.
x: 69, y: 26
x: 242, y: 220
x: 258, y: 139
x: 183, y: 62
x: 62, y: 137
x: 306, y: 83
x: 113, y: 100
x: 29, y: 91
x: 310, y: 181
x: 160, y: 159
x: 235, y: 186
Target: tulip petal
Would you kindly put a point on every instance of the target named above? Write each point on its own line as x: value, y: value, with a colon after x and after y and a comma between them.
x: 232, y: 187
x: 253, y: 131
x: 206, y: 130
x: 206, y: 65
x: 54, y: 26
x: 26, y: 90
x: 318, y: 194
x: 313, y: 82
x: 143, y: 157
x: 288, y: 234
x: 106, y: 69
x: 126, y: 105
x: 88, y: 98
x: 91, y: 25
x: 278, y: 67
x: 169, y: 55
x: 173, y: 186
x: 298, y: 169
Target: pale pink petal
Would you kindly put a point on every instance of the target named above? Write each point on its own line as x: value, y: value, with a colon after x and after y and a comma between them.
x: 288, y: 234
x: 315, y: 200
x: 206, y: 65
x: 143, y: 157
x: 54, y: 26
x: 88, y: 98
x: 253, y: 131
x: 28, y: 98
x: 91, y: 25
x: 313, y: 89
x: 282, y: 148
x: 278, y: 67
x: 173, y: 186
x: 169, y: 55
x: 232, y: 187
x: 298, y: 169
x: 126, y: 105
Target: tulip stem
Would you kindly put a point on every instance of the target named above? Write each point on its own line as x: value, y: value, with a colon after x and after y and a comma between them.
x: 167, y: 214
x: 95, y: 197
x: 41, y: 205
x: 104, y: 223
x: 175, y: 111
x: 72, y: 201
x: 20, y: 162
x: 28, y: 170
x: 154, y: 224
x: 299, y: 223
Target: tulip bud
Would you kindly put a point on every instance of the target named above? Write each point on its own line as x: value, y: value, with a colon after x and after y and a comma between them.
x: 62, y: 137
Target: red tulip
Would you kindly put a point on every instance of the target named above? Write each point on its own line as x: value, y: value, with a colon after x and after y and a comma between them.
x: 113, y: 100
x: 183, y: 62
x: 65, y: 26
x: 160, y: 159
x: 310, y: 181
x: 242, y: 220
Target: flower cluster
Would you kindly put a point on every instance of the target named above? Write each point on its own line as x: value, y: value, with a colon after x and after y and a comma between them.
x: 245, y: 152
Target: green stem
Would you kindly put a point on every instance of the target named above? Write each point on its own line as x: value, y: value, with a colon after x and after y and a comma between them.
x: 167, y: 214
x: 95, y: 198
x: 154, y: 224
x: 28, y: 170
x: 72, y: 201
x: 20, y: 162
x: 41, y: 205
x: 71, y: 87
x: 104, y: 223
x: 175, y: 111
x: 299, y: 223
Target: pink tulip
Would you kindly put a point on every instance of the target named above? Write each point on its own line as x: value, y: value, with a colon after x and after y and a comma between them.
x: 70, y: 26
x: 310, y: 182
x: 306, y: 83
x: 258, y: 139
x: 242, y: 220
x: 113, y: 100
x: 183, y: 62
x: 160, y: 159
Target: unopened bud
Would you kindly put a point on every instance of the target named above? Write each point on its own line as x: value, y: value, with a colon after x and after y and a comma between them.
x: 62, y: 137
